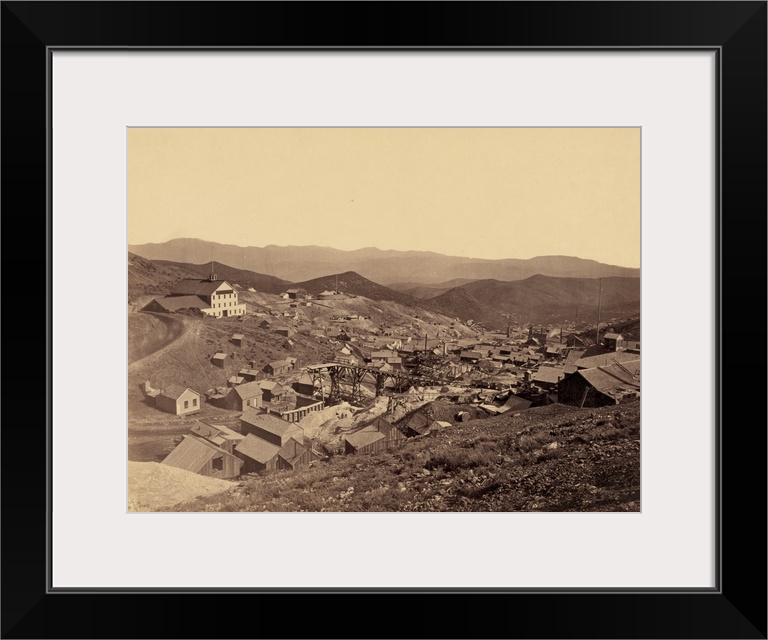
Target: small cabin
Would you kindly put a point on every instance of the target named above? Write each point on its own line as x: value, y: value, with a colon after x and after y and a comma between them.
x: 178, y: 400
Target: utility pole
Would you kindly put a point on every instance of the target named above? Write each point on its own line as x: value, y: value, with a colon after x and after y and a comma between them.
x: 599, y: 301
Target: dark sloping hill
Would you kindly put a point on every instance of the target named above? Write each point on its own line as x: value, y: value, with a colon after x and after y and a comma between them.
x: 148, y: 278
x: 462, y: 304
x: 541, y: 298
x: 243, y: 277
x: 353, y: 283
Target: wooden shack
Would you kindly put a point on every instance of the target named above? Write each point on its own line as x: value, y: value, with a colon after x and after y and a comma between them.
x: 294, y: 455
x: 278, y: 366
x: 200, y: 456
x: 178, y: 400
x: 305, y: 386
x: 269, y: 427
x: 272, y: 391
x: 242, y: 396
x: 601, y: 386
x: 367, y: 440
x: 257, y: 454
x: 417, y: 424
x: 219, y: 359
x: 219, y: 435
x: 378, y: 436
x: 249, y: 375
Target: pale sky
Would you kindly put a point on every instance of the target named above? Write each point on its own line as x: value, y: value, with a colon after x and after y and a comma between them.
x: 474, y: 192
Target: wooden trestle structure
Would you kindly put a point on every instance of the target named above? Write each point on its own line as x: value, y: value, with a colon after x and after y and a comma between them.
x: 354, y: 376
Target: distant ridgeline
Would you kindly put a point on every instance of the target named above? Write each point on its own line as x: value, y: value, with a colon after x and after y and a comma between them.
x: 296, y: 264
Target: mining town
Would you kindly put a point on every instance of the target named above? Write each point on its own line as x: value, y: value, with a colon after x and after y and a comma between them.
x: 247, y: 392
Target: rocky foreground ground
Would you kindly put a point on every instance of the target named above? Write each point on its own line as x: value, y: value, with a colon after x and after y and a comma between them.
x: 553, y: 458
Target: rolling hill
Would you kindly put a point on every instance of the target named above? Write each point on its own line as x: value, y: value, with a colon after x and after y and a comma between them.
x: 539, y: 299
x: 427, y: 291
x: 419, y: 267
x: 148, y: 278
x: 243, y: 277
x: 355, y: 284
x: 487, y: 302
x: 460, y: 303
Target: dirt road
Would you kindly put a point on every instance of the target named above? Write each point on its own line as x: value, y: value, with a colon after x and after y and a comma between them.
x: 150, y: 332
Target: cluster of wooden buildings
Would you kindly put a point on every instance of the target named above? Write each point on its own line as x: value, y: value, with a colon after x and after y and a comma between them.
x: 264, y: 443
x: 381, y: 435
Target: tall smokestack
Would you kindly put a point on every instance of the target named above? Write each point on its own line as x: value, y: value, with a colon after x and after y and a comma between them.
x: 599, y: 301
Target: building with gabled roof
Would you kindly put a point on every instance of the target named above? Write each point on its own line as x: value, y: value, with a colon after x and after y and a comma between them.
x: 385, y: 356
x: 600, y: 386
x: 176, y: 303
x: 278, y: 366
x: 180, y: 401
x: 547, y: 377
x: 294, y: 455
x: 269, y: 427
x: 417, y: 424
x: 515, y: 403
x: 271, y: 391
x: 248, y: 374
x: 233, y: 381
x: 198, y: 455
x: 574, y: 355
x: 297, y: 293
x: 604, y: 359
x: 219, y: 435
x: 366, y: 440
x: 575, y: 340
x: 242, y: 396
x: 216, y: 298
x: 257, y: 454
x: 305, y: 386
x: 614, y: 341
x: 283, y: 330
x: 379, y: 435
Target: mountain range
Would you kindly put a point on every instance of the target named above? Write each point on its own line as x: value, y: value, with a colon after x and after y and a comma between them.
x: 489, y: 302
x: 296, y: 264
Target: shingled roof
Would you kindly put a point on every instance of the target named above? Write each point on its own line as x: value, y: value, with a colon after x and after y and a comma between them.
x: 292, y: 451
x: 247, y: 390
x: 175, y: 391
x: 194, y: 287
x: 174, y: 303
x: 271, y: 424
x: 616, y: 380
x: 257, y: 449
x: 364, y: 437
x: 549, y: 375
x: 605, y: 359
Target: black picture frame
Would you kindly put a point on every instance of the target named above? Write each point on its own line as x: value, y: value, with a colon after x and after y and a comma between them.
x: 736, y: 608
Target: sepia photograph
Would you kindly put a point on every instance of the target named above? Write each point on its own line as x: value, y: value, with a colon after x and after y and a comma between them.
x: 384, y: 319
